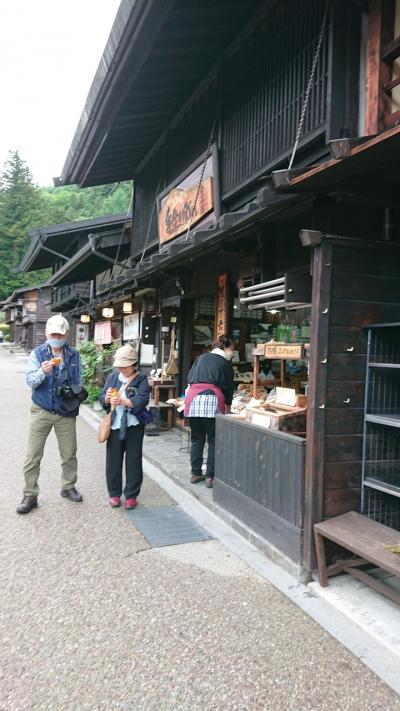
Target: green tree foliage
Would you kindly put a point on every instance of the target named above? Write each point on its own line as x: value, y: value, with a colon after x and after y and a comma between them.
x: 96, y: 362
x: 23, y: 205
x: 72, y: 203
x: 20, y: 209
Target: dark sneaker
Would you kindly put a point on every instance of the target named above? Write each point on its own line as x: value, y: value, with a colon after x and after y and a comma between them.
x: 72, y: 494
x: 209, y: 482
x: 27, y: 504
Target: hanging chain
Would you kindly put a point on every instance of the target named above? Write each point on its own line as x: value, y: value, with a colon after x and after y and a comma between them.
x: 309, y: 85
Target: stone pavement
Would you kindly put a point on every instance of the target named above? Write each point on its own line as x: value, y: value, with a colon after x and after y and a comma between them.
x: 92, y: 618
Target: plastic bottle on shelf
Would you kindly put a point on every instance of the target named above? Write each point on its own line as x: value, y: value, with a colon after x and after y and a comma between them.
x: 280, y: 333
x: 294, y: 334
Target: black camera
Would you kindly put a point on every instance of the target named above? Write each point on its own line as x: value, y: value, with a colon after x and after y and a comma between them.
x: 65, y: 391
x: 72, y: 392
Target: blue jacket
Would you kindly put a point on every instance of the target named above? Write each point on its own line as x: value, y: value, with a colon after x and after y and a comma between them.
x: 45, y: 394
x: 138, y: 391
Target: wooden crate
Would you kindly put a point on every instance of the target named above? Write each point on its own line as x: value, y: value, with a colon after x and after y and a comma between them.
x: 278, y: 417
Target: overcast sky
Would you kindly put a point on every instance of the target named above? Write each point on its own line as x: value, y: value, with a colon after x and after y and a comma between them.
x: 49, y: 52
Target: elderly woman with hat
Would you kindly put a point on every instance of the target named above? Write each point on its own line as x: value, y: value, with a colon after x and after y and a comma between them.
x: 126, y: 391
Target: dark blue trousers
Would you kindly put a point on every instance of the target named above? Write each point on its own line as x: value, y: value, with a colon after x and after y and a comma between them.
x: 132, y: 448
x: 202, y: 428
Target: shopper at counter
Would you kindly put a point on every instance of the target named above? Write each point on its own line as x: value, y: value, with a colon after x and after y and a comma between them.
x: 210, y: 392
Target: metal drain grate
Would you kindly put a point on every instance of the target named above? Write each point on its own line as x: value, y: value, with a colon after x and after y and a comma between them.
x: 167, y: 526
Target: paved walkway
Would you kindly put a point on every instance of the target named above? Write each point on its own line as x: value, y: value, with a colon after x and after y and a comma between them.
x: 92, y: 618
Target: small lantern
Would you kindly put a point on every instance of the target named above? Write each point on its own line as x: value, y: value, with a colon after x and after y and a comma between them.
x: 85, y: 318
x: 127, y: 307
x: 108, y: 312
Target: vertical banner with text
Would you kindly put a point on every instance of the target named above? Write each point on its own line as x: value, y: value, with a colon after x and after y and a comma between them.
x: 222, y: 306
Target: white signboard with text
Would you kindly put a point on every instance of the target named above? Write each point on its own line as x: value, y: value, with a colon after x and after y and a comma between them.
x: 131, y: 330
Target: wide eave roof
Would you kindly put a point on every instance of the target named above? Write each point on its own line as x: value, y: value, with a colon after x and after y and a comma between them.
x: 60, y: 238
x: 368, y: 171
x: 156, y: 56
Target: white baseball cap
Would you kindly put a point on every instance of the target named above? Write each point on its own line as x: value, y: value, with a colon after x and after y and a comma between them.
x: 57, y: 324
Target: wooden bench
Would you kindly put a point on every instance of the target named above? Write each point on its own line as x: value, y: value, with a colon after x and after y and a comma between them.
x: 368, y: 540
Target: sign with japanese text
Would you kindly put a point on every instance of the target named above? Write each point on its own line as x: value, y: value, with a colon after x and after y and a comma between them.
x: 283, y: 351
x: 131, y: 327
x: 222, y: 306
x: 182, y: 209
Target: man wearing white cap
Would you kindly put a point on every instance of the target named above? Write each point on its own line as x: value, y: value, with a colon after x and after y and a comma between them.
x: 54, y: 373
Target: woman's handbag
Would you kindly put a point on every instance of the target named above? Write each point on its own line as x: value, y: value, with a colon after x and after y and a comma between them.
x: 104, y: 428
x: 145, y: 417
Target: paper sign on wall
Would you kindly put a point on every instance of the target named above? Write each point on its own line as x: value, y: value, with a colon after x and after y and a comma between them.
x: 146, y: 354
x: 131, y: 327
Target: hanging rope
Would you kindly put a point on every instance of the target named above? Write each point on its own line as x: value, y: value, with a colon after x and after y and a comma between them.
x: 128, y: 215
x: 310, y: 83
x: 150, y: 220
x: 208, y: 153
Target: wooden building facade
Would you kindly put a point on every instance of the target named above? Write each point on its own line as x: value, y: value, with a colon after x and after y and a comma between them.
x: 94, y: 251
x: 26, y: 311
x: 243, y: 126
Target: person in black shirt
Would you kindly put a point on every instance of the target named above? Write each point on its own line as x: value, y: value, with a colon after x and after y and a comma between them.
x: 210, y: 392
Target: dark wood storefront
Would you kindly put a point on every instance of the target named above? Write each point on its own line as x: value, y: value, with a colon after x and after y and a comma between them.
x: 229, y: 108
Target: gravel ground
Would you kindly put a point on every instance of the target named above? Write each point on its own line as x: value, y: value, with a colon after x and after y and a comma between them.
x: 92, y: 618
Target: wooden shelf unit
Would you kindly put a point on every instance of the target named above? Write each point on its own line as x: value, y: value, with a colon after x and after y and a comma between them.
x: 158, y: 388
x: 381, y: 442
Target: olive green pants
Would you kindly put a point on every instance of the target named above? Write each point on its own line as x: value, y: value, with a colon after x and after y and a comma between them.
x: 41, y: 425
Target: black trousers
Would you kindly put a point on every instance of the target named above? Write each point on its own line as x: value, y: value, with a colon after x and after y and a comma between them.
x: 132, y: 447
x: 202, y: 428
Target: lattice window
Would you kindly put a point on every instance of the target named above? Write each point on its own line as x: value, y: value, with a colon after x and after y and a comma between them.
x: 265, y: 87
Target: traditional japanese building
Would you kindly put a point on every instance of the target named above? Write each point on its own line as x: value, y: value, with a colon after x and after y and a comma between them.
x: 26, y: 311
x: 95, y: 251
x: 244, y: 125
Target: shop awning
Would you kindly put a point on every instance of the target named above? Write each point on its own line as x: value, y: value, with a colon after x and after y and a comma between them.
x: 369, y: 170
x: 156, y: 55
x: 99, y: 253
x: 52, y: 241
x: 178, y: 256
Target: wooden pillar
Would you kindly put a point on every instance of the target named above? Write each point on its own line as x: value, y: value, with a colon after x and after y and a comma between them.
x: 380, y: 33
x: 314, y: 473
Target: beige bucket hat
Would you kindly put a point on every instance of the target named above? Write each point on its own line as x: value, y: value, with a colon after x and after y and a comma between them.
x: 125, y: 356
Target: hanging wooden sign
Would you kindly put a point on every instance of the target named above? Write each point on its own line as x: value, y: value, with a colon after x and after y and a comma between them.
x: 283, y: 351
x: 222, y: 306
x: 181, y: 210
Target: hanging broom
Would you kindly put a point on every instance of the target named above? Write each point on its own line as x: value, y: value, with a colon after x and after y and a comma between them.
x: 172, y: 365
